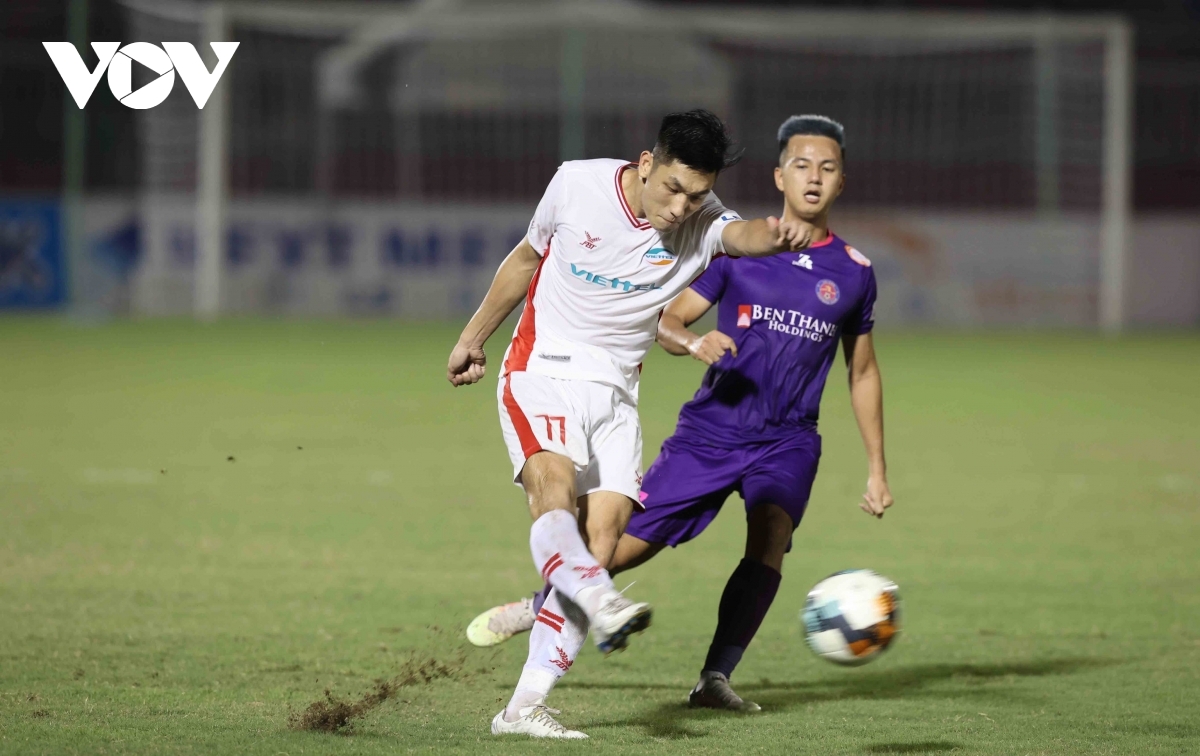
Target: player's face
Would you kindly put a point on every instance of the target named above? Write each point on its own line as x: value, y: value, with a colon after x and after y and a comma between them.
x: 671, y: 191
x: 810, y: 175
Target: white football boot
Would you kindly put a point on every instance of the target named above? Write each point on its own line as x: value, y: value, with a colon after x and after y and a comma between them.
x: 500, y: 623
x: 536, y: 722
x: 616, y: 619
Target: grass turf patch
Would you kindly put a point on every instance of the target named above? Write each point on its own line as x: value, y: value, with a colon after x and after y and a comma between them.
x: 161, y: 597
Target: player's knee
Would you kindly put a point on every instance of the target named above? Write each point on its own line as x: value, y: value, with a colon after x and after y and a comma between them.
x: 550, y: 496
x: 549, y: 484
x: 770, y: 531
x: 605, y: 516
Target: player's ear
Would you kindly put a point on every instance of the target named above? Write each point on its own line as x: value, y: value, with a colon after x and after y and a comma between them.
x: 645, y: 165
x: 841, y: 184
x: 779, y: 178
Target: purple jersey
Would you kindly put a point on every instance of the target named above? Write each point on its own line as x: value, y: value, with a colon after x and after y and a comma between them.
x: 786, y: 313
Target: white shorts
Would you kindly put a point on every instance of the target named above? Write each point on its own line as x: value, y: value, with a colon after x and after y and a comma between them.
x: 593, y: 424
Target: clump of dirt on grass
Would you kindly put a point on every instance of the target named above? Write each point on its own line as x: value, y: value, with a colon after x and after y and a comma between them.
x: 333, y: 714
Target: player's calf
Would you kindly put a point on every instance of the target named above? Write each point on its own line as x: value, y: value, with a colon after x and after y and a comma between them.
x: 768, y: 533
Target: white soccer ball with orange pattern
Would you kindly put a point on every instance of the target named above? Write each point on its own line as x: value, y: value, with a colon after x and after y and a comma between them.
x: 851, y: 617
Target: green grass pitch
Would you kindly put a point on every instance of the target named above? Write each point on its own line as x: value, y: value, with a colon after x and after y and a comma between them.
x: 203, y: 528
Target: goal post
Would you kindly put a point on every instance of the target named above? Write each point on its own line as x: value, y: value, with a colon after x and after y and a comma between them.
x: 981, y: 113
x: 212, y: 179
x: 1117, y: 208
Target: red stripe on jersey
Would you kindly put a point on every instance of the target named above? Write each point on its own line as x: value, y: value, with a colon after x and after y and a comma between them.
x: 639, y: 224
x: 552, y: 564
x: 529, y: 443
x: 522, y: 343
x: 557, y: 627
x: 553, y: 616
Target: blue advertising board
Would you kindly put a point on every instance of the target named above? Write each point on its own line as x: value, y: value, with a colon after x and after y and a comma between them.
x: 32, y: 273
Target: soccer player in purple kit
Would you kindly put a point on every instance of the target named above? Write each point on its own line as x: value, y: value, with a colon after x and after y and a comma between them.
x: 752, y: 425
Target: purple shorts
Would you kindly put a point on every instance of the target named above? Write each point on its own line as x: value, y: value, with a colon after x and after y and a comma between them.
x: 685, y: 487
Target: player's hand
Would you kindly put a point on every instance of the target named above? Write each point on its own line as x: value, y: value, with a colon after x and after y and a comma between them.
x: 791, y: 234
x: 467, y: 365
x: 711, y: 347
x: 877, y: 498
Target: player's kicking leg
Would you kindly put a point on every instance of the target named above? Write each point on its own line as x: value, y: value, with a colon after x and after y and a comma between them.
x: 580, y: 431
x: 498, y: 624
x: 564, y: 558
x: 573, y: 567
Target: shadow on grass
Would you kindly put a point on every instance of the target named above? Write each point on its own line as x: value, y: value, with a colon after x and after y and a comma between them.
x: 670, y: 720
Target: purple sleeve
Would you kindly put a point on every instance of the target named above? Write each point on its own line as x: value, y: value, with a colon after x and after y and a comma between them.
x: 862, y: 319
x: 711, y: 283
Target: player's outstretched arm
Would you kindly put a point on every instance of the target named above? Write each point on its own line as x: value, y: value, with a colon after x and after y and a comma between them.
x: 674, y: 336
x: 866, y: 397
x: 765, y: 236
x: 467, y: 359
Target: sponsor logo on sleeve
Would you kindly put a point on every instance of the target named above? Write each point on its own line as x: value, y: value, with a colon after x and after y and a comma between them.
x: 857, y: 256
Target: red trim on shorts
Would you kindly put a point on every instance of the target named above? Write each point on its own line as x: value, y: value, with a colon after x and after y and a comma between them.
x: 554, y: 625
x: 638, y: 224
x: 552, y: 564
x: 529, y: 443
x: 553, y: 616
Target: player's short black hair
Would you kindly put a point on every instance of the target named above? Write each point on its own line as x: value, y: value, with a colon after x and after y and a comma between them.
x: 698, y: 139
x: 811, y: 125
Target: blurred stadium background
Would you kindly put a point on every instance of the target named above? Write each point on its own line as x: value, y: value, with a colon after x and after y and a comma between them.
x: 1011, y: 163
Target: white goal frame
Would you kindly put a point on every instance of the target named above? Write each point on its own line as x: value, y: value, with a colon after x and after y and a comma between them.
x: 369, y: 26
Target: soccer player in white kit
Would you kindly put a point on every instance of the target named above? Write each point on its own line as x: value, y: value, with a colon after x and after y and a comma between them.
x: 610, y: 244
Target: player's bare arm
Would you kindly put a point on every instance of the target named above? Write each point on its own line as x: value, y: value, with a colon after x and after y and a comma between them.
x: 866, y: 398
x: 676, y: 338
x: 468, y: 362
x: 766, y: 236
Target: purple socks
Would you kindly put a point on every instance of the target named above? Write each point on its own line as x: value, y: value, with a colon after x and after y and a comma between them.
x: 744, y: 604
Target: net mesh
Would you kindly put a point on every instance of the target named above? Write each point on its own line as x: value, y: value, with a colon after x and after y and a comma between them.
x: 928, y: 126
x: 328, y: 121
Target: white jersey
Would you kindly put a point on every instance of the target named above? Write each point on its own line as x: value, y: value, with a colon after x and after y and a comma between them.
x: 593, y: 305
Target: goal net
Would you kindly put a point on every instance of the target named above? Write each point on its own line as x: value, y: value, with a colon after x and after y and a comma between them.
x: 375, y: 158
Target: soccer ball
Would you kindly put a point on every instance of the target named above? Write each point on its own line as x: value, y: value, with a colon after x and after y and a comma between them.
x: 851, y: 617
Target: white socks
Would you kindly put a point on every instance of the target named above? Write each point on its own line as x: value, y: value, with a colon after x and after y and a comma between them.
x: 562, y: 624
x: 558, y: 634
x: 564, y: 561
